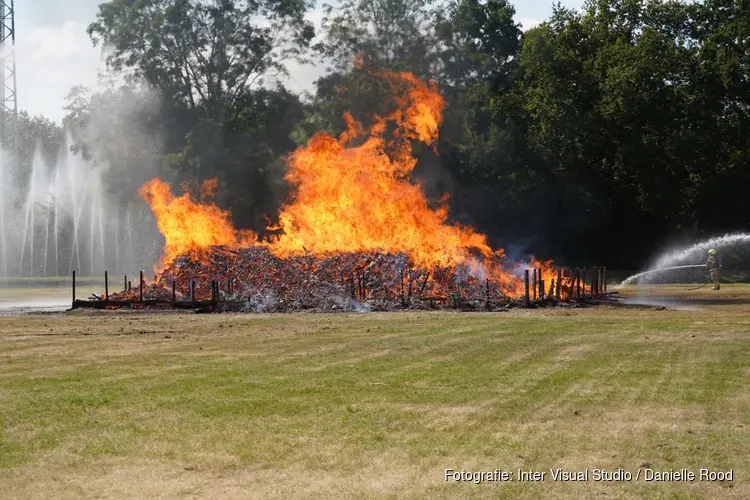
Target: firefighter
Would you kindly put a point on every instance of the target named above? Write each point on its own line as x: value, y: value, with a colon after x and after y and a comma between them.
x: 714, y: 267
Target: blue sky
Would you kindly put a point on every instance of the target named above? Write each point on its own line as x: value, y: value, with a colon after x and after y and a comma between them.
x: 53, y: 52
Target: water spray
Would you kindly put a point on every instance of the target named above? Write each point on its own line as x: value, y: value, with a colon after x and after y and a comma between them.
x: 700, y: 248
x: 630, y: 280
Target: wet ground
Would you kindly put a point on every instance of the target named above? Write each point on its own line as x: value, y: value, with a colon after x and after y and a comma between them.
x: 28, y: 306
x: 684, y: 296
x: 19, y: 300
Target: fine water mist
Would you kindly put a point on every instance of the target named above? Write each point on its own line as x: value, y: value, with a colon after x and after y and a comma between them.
x: 687, y: 263
x: 57, y: 217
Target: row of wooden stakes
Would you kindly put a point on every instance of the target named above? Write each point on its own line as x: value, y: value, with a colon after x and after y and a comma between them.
x: 576, y: 287
x: 128, y: 287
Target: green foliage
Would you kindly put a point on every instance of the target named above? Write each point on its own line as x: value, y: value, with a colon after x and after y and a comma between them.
x: 119, y: 129
x: 32, y: 134
x: 392, y: 34
x: 624, y: 117
x: 205, y: 55
x: 213, y: 66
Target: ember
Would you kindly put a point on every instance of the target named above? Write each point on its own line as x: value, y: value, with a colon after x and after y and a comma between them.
x: 355, y: 234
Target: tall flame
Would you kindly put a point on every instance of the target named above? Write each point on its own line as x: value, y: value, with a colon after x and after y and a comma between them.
x: 190, y: 227
x: 357, y: 198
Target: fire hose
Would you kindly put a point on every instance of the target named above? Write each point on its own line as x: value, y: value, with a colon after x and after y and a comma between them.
x: 699, y: 287
x: 651, y: 271
x: 710, y: 280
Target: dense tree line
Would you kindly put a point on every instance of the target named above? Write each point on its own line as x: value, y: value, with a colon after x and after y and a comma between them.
x: 595, y: 136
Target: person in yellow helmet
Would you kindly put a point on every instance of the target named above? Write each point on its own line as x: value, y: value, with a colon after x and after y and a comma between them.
x: 714, y: 267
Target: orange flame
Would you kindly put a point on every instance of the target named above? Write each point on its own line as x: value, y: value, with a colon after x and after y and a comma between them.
x: 352, y: 194
x: 356, y: 198
x: 189, y: 227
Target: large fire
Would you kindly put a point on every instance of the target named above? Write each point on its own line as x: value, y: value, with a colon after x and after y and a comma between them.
x: 351, y: 194
x: 188, y: 226
x: 358, y: 198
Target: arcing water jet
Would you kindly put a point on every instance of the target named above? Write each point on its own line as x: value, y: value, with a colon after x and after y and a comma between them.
x: 634, y: 278
x: 730, y: 247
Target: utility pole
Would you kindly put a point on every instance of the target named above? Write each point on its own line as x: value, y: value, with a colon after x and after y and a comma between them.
x: 8, y: 114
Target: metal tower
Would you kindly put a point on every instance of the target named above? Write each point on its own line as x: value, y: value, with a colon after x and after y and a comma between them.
x: 8, y: 113
x: 8, y: 102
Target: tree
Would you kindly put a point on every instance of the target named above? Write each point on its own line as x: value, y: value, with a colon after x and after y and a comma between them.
x: 121, y: 130
x: 480, y: 41
x: 206, y: 55
x: 32, y: 132
x: 215, y: 66
x: 722, y: 91
x: 396, y: 35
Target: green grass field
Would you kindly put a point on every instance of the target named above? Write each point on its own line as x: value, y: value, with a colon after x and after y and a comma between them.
x: 144, y: 405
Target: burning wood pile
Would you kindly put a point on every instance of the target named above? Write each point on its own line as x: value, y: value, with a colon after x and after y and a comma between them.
x: 253, y: 279
x: 355, y: 234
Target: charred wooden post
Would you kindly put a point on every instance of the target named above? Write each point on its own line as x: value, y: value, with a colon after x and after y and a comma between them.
x: 125, y: 284
x: 541, y: 284
x: 74, y: 290
x: 604, y: 278
x: 106, y: 287
x: 424, y: 284
x: 551, y: 291
x: 594, y: 282
x: 526, y: 282
x: 411, y: 283
x: 578, y: 283
x: 192, y: 290
x: 559, y: 282
x: 535, y: 285
x: 140, y: 287
x: 174, y: 291
x: 583, y: 281
x: 130, y: 286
